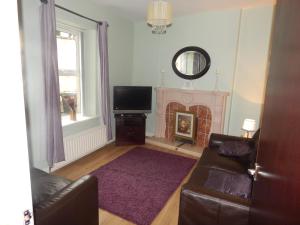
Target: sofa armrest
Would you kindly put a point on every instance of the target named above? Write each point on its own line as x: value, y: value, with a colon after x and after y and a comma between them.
x: 202, y: 206
x: 76, y: 204
x: 216, y: 140
x: 216, y: 196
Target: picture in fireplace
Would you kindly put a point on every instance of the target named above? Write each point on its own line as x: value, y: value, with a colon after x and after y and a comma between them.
x: 185, y: 125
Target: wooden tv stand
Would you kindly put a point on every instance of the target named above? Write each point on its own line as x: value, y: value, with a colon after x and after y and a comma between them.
x: 130, y: 129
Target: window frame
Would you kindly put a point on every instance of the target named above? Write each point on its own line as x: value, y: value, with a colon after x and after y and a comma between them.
x: 78, y: 33
x: 61, y: 27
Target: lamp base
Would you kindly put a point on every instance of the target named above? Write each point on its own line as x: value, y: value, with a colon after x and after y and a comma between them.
x: 247, y: 134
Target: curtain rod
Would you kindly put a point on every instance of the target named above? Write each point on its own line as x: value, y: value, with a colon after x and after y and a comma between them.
x: 75, y: 13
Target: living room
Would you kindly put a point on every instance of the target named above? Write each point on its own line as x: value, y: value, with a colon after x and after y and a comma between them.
x: 235, y: 62
x: 237, y: 39
x: 238, y: 59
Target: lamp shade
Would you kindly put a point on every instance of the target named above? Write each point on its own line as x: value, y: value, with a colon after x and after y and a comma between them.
x: 159, y: 13
x: 249, y: 125
x: 159, y: 16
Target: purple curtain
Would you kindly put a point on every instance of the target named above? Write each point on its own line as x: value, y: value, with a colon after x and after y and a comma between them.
x: 103, y: 88
x: 54, y: 134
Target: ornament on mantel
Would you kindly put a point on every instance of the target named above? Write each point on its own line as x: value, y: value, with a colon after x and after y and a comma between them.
x: 188, y: 85
x: 217, y: 80
x: 162, y: 77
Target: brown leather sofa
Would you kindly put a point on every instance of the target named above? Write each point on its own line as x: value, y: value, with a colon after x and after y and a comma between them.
x: 58, y: 201
x: 200, y: 205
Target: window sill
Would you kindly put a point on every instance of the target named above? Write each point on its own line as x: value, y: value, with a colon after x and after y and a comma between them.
x: 82, y: 123
x: 65, y: 120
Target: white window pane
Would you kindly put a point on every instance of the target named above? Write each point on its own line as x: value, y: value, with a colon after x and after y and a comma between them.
x: 69, y: 84
x: 67, y: 53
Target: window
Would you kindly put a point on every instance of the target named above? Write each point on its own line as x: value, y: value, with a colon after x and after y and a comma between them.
x: 69, y: 65
x: 78, y: 66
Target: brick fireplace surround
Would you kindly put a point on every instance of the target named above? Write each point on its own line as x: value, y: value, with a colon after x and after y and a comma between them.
x: 209, y: 107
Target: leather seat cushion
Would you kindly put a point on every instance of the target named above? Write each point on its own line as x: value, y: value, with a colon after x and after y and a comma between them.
x: 44, y: 185
x: 233, y: 184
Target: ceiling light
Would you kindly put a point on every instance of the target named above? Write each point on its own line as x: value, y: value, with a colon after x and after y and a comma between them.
x: 159, y: 16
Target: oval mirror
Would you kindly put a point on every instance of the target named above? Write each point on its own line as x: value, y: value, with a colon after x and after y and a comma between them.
x: 191, y: 62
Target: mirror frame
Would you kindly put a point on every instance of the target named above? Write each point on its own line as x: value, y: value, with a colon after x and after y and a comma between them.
x: 195, y: 49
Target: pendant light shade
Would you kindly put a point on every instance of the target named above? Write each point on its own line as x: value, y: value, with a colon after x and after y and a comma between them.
x: 159, y: 16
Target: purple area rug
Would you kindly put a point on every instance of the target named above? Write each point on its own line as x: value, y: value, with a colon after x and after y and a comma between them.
x: 137, y: 185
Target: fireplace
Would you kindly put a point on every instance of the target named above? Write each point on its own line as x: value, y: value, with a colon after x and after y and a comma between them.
x: 208, y: 106
x: 203, y: 121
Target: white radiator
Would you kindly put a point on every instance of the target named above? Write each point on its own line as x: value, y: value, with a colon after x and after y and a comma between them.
x: 82, y: 144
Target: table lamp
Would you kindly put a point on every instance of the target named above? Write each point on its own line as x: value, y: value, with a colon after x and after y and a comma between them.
x: 249, y: 126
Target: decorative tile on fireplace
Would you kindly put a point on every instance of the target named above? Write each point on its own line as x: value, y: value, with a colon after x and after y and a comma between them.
x: 203, y: 115
x: 172, y: 107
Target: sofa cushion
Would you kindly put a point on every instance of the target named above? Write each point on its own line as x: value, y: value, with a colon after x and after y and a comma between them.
x: 44, y: 185
x: 198, y: 180
x: 211, y: 159
x: 233, y: 184
x: 234, y: 148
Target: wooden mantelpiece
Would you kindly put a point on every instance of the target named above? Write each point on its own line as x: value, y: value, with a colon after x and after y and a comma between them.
x: 214, y: 100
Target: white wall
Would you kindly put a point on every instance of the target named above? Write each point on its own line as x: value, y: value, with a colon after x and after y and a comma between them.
x: 218, y: 33
x: 15, y: 188
x: 120, y: 38
x: 34, y: 92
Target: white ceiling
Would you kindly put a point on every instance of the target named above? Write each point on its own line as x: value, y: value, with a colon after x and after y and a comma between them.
x: 136, y: 9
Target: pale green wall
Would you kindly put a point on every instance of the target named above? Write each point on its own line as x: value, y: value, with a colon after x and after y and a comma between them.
x: 218, y: 33
x: 120, y: 38
x: 249, y: 86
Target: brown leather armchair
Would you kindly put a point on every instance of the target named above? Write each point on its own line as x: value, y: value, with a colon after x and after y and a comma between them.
x: 200, y: 205
x: 58, y: 201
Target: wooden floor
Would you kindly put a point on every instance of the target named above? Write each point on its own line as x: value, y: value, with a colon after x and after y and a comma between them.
x: 167, y: 216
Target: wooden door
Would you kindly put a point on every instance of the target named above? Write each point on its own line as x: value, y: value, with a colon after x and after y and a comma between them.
x: 276, y: 193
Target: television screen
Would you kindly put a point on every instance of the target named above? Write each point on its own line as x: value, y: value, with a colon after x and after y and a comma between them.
x: 132, y: 99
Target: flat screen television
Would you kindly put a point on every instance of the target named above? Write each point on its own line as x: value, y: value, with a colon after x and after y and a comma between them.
x: 132, y: 99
